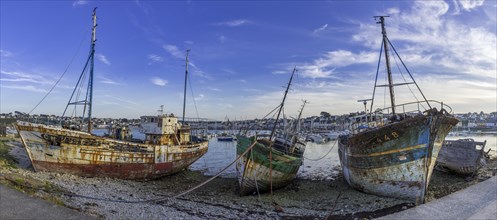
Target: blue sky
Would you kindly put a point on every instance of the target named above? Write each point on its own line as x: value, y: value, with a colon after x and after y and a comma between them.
x: 242, y: 54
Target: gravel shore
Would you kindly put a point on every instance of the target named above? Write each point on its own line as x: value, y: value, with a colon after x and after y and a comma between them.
x: 122, y: 199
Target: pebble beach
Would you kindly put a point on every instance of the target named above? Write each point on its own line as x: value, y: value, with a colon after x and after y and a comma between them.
x: 108, y: 198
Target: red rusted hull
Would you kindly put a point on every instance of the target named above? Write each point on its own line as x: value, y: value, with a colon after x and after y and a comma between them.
x: 67, y: 151
x: 120, y: 171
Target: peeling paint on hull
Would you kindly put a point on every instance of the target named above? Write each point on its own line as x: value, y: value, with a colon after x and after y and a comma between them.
x: 66, y: 151
x: 253, y: 168
x: 395, y: 160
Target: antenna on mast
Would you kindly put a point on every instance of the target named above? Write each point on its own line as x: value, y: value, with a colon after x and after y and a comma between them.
x: 365, y: 102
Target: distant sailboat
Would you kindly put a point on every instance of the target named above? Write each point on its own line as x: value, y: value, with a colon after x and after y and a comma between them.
x: 394, y: 154
x: 226, y: 136
x: 168, y: 147
x: 273, y: 161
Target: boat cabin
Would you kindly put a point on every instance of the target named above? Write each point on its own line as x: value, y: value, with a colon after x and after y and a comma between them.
x: 164, y: 130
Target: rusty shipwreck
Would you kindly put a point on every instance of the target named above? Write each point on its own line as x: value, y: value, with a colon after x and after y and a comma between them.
x: 392, y: 153
x: 462, y: 157
x: 168, y: 147
x: 267, y: 163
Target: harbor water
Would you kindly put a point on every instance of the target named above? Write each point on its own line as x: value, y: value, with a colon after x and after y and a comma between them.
x: 321, y: 161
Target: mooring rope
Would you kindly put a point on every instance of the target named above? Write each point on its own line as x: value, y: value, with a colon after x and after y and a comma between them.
x: 218, y: 174
x: 325, y: 154
x: 166, y: 198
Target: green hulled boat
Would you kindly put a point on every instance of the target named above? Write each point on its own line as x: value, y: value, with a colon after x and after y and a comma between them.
x: 268, y: 163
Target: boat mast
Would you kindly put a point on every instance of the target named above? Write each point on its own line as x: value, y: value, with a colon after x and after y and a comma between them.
x: 389, y: 71
x: 282, y: 103
x: 297, y: 122
x: 186, y: 78
x: 300, y: 115
x: 90, y: 80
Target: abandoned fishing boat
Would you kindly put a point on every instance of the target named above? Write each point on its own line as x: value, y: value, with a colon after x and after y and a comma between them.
x: 462, y: 157
x: 393, y: 153
x: 168, y: 147
x: 267, y: 163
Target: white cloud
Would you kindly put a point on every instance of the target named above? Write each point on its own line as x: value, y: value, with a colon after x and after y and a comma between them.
x: 340, y: 58
x: 103, y: 59
x: 392, y: 11
x: 4, y: 53
x: 252, y: 90
x: 26, y: 88
x: 12, y: 76
x: 158, y: 81
x: 155, y: 58
x: 200, y: 97
x: 439, y: 49
x: 490, y: 9
x: 201, y: 74
x: 322, y: 28
x: 173, y: 50
x: 280, y: 72
x: 312, y: 71
x: 457, y: 9
x: 198, y: 72
x: 230, y: 72
x: 427, y: 37
x: 119, y: 99
x: 108, y: 81
x: 234, y: 23
x: 325, y: 66
x: 79, y: 3
x: 468, y: 5
x: 214, y: 89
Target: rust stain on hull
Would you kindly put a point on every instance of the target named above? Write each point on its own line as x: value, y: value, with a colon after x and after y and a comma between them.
x: 395, y: 160
x: 253, y: 169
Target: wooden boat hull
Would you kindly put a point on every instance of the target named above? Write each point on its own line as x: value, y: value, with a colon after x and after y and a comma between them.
x: 68, y: 151
x: 253, y: 168
x: 395, y: 160
x: 462, y: 156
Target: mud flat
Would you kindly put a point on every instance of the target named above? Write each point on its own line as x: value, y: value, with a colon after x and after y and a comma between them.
x: 121, y: 199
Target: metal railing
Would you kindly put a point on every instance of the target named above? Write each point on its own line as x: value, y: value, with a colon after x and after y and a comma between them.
x: 378, y: 118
